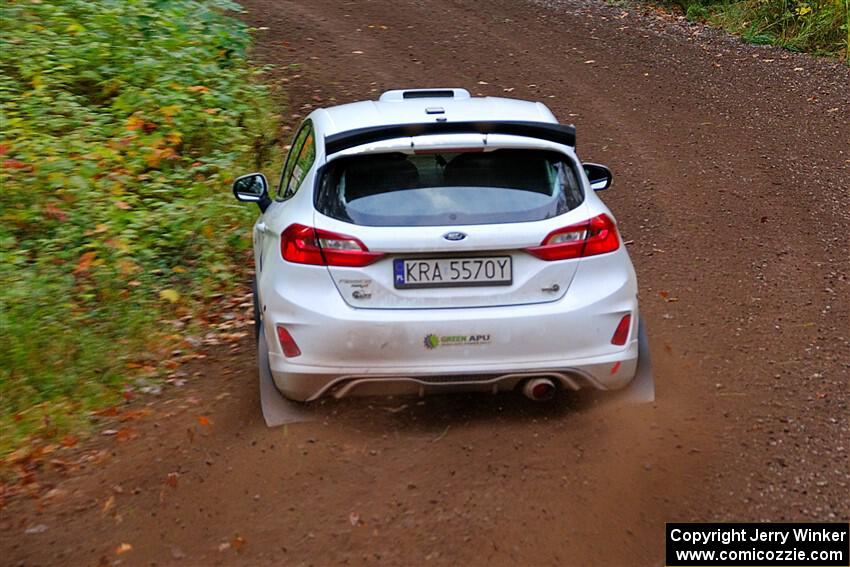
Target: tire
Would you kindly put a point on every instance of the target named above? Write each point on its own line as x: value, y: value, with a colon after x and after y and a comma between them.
x: 257, y: 314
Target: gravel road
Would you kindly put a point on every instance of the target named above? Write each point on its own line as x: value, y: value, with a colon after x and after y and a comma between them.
x: 732, y: 180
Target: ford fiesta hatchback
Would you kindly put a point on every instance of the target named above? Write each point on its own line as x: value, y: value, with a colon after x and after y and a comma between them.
x: 430, y: 241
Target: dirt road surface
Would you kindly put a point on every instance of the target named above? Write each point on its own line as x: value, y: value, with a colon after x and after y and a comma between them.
x: 732, y: 168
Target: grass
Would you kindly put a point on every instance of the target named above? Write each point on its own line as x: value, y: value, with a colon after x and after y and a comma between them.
x: 123, y: 124
x: 820, y: 27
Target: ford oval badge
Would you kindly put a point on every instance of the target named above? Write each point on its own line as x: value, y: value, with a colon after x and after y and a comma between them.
x: 454, y: 236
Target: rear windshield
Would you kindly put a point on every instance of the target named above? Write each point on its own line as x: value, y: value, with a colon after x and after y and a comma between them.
x: 396, y: 189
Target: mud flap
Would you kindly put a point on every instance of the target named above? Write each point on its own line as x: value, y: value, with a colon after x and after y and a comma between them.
x: 641, y: 389
x: 277, y: 410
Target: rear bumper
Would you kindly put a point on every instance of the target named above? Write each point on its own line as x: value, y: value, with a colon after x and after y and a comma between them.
x: 349, y: 351
x: 611, y: 372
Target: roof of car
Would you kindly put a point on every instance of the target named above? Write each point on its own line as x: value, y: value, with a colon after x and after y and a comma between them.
x: 413, y: 106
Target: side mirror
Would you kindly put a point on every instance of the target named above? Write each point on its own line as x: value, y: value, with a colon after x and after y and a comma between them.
x: 600, y: 177
x: 252, y: 188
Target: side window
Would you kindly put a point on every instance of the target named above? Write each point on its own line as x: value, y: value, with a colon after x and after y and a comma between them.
x: 298, y: 163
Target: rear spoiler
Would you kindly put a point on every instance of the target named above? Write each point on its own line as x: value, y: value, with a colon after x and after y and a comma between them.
x: 558, y: 133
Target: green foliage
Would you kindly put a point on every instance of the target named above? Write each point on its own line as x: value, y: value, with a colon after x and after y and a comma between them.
x: 123, y: 122
x: 815, y: 26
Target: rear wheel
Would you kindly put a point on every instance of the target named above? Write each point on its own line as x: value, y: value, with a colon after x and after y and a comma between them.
x: 256, y: 309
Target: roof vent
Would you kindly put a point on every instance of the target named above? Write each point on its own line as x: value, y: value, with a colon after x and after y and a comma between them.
x: 406, y: 94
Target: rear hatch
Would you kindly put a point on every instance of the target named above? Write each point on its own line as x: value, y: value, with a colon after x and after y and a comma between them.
x: 449, y: 228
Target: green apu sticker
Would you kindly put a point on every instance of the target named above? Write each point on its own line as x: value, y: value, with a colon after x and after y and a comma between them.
x: 433, y: 341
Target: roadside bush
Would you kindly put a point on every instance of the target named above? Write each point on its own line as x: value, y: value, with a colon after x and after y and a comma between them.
x: 122, y: 124
x: 815, y: 26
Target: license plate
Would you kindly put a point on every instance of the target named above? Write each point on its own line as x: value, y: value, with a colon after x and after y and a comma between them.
x: 452, y: 272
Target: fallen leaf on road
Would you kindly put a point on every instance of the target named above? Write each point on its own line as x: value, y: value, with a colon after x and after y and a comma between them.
x: 126, y: 434
x: 69, y: 441
x: 36, y: 529
x: 55, y: 493
x: 171, y: 480
x: 59, y: 464
x: 238, y: 543
x: 135, y: 414
x: 18, y: 456
x: 108, y: 505
x: 204, y: 420
x: 123, y: 548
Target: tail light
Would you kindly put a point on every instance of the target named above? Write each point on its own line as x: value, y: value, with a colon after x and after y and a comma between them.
x: 595, y: 236
x: 307, y: 245
x: 287, y: 343
x: 621, y: 334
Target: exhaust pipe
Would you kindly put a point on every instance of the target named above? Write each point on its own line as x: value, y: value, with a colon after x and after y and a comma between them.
x: 539, y: 389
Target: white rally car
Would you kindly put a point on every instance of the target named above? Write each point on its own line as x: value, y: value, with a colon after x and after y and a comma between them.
x: 431, y: 241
